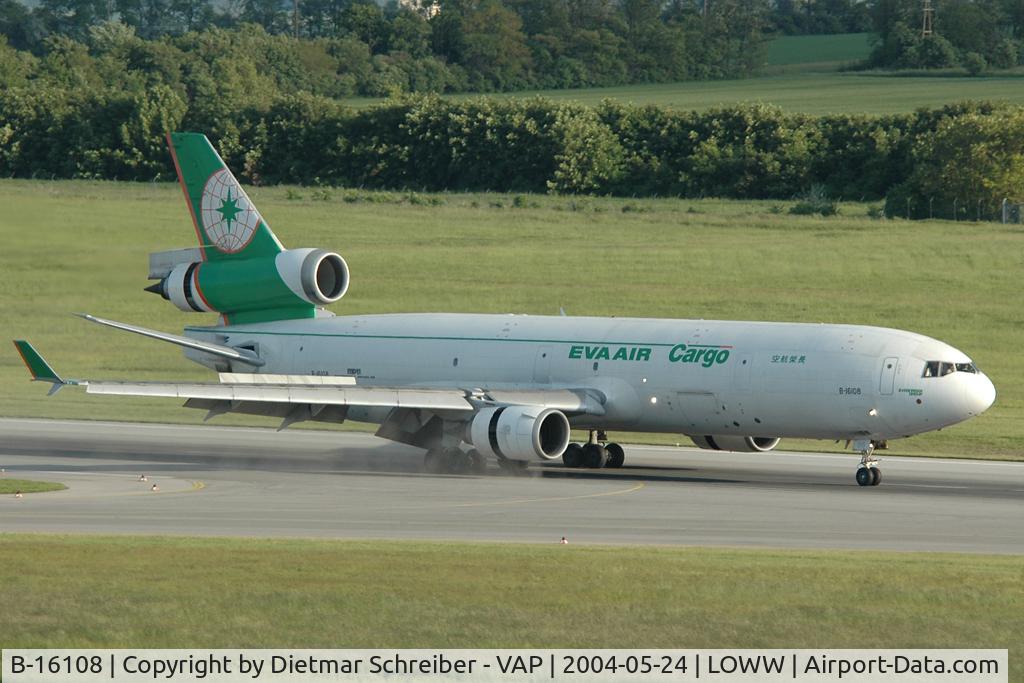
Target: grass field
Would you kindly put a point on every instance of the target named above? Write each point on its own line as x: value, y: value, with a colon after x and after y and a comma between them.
x: 82, y: 246
x: 810, y: 92
x: 819, y: 51
x: 801, y: 74
x: 210, y: 593
x: 27, y: 486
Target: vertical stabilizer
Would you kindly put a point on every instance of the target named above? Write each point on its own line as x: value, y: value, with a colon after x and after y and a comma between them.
x: 227, y: 223
x: 240, y: 269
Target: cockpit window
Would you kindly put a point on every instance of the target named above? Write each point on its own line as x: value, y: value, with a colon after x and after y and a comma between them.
x: 935, y: 368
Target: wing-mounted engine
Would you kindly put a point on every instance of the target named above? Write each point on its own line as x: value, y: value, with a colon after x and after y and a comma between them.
x: 742, y: 444
x: 290, y: 284
x: 519, y: 432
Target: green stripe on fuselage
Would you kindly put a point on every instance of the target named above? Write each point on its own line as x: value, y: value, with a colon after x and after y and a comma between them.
x: 578, y: 350
x: 430, y: 338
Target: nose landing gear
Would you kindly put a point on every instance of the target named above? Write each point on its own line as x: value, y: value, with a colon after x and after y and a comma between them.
x: 869, y: 476
x: 868, y: 473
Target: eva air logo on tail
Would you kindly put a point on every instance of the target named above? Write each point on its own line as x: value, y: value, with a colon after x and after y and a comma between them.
x: 229, y: 218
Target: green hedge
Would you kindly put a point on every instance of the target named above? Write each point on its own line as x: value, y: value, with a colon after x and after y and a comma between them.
x: 964, y: 169
x: 524, y: 145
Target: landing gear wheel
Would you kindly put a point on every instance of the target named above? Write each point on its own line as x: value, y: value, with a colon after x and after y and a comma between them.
x: 573, y: 456
x: 616, y: 456
x: 876, y: 476
x: 456, y: 461
x: 432, y: 461
x: 595, y: 455
x: 477, y: 462
x: 864, y: 476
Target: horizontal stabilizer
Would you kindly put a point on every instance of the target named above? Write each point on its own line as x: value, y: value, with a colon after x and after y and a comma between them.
x: 228, y: 352
x: 161, y: 263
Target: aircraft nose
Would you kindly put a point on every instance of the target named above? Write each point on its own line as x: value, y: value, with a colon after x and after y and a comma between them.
x: 980, y: 395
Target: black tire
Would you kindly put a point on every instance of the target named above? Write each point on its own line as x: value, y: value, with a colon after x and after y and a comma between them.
x: 595, y: 456
x: 864, y: 476
x: 876, y: 476
x: 573, y: 456
x: 456, y: 461
x: 616, y: 456
x: 432, y: 461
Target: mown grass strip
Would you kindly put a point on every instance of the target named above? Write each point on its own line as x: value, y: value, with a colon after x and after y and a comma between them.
x: 28, y: 486
x: 809, y: 89
x: 80, y: 591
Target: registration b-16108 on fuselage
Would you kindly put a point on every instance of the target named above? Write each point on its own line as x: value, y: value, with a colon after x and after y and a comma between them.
x: 469, y: 387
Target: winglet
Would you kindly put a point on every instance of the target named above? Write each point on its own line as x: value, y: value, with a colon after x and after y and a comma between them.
x: 40, y: 369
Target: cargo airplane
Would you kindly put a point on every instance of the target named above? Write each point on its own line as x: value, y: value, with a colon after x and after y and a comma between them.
x: 472, y: 388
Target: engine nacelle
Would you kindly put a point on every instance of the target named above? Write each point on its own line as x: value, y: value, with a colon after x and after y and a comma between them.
x: 320, y: 277
x: 294, y: 277
x: 742, y: 444
x: 520, y: 432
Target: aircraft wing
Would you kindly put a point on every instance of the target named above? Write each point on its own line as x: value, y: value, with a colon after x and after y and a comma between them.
x: 304, y: 397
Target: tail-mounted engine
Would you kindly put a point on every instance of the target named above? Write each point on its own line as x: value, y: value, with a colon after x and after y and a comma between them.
x: 290, y: 284
x: 742, y: 444
x: 519, y: 432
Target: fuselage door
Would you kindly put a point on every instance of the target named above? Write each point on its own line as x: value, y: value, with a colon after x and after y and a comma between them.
x: 888, y: 379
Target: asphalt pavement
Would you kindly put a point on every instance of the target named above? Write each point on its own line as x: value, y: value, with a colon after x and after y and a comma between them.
x: 217, y: 481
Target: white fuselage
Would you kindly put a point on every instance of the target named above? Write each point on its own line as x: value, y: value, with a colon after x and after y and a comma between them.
x: 684, y: 376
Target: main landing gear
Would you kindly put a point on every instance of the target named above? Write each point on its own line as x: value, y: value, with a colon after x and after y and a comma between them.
x: 596, y: 453
x: 454, y: 461
x: 868, y: 473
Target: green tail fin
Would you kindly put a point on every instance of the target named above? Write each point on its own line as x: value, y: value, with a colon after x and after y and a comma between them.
x: 226, y: 221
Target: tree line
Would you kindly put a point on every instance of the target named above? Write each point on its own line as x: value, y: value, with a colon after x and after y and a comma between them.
x: 975, y: 34
x: 361, y: 47
x: 802, y: 17
x: 335, y: 48
x: 969, y: 153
